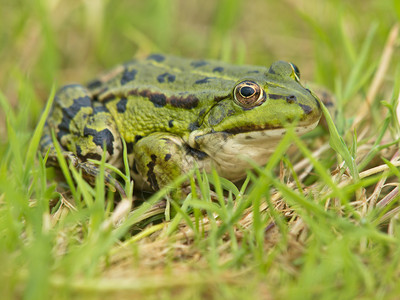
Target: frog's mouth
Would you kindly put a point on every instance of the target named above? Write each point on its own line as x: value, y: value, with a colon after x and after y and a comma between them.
x: 244, y: 135
x: 270, y: 130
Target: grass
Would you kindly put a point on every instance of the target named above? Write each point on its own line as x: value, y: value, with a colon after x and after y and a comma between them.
x: 319, y: 221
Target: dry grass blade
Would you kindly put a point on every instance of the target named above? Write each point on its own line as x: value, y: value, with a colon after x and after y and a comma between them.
x: 379, y: 75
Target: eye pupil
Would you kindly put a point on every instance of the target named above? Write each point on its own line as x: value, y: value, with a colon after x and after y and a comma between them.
x: 247, y: 91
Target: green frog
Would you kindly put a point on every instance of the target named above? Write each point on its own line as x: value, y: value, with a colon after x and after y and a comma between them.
x: 175, y: 113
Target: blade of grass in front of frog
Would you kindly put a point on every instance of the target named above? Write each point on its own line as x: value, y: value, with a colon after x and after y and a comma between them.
x: 106, y: 239
x: 319, y: 168
x: 139, y: 214
x: 204, y: 184
x: 218, y: 189
x: 196, y: 212
x: 181, y: 212
x: 137, y: 237
x: 337, y: 144
x: 98, y: 212
x: 289, y: 165
x: 84, y: 187
x: 211, y: 207
x: 224, y: 183
x: 35, y: 140
x: 64, y: 167
x: 227, y: 207
x: 213, y: 210
x: 336, y: 191
x: 129, y: 184
x: 113, y: 184
x: 261, y: 191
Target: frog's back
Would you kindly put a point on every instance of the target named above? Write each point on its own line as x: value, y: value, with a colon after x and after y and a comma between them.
x: 172, y: 74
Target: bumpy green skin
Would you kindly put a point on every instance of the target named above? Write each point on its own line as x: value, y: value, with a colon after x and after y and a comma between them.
x: 175, y: 112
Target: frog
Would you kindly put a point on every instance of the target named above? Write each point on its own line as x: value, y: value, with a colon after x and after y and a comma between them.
x: 173, y: 114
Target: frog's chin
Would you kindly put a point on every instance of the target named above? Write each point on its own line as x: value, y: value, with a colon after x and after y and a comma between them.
x: 230, y: 153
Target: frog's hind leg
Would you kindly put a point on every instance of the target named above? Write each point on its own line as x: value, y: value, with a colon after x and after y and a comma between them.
x: 83, y: 127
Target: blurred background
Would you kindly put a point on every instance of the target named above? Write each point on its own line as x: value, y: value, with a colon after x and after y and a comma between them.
x: 45, y: 43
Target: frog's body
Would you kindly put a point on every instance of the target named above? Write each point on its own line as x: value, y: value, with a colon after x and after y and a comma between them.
x: 175, y: 112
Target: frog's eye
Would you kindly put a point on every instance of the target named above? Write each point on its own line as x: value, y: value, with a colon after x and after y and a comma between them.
x: 248, y: 94
x: 296, y: 71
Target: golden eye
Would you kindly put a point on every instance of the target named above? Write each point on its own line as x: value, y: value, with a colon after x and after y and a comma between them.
x: 248, y: 94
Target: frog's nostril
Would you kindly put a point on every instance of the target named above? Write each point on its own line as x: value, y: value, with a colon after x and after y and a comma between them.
x: 291, y: 99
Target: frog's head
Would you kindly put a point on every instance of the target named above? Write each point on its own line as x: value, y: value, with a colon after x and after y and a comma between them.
x: 257, y: 113
x: 267, y: 102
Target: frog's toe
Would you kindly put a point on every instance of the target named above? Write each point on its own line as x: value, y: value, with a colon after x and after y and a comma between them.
x: 90, y: 172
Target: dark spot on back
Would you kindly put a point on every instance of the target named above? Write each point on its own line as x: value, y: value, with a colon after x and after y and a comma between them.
x: 121, y: 105
x: 159, y: 100
x: 80, y: 102
x: 128, y: 76
x: 218, y: 69
x: 171, y: 123
x: 156, y: 57
x: 166, y: 77
x: 198, y: 63
x: 62, y: 131
x: 167, y: 157
x: 78, y: 150
x: 94, y: 84
x: 188, y: 102
x: 99, y: 108
x: 100, y: 138
x: 70, y: 112
x: 204, y: 80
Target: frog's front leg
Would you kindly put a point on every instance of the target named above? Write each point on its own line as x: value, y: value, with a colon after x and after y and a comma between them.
x: 162, y: 157
x: 83, y: 126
